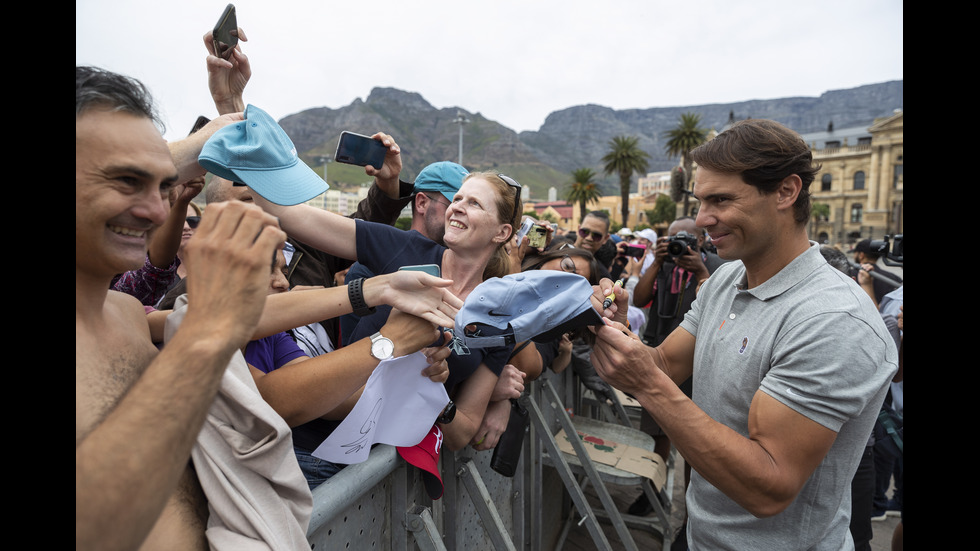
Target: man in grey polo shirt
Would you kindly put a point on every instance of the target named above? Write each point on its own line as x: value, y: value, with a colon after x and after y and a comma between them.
x: 790, y: 359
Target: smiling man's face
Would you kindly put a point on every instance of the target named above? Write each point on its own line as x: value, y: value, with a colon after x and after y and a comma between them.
x: 123, y: 176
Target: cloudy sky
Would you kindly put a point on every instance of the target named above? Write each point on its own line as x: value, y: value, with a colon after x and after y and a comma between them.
x: 514, y: 61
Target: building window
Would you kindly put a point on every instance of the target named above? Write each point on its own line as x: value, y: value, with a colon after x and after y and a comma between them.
x: 864, y: 141
x: 832, y: 144
x: 897, y: 176
x: 857, y: 212
x: 825, y: 182
x: 859, y: 179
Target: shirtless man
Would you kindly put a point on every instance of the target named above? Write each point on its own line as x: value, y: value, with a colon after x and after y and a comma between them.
x: 138, y: 410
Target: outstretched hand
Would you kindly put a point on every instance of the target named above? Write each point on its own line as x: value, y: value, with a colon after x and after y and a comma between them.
x: 227, y: 77
x: 418, y: 293
x: 387, y: 176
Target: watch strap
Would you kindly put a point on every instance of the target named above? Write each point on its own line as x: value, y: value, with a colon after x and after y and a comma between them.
x: 355, y: 292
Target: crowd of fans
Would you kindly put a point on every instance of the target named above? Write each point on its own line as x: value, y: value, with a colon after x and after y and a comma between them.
x: 208, y: 325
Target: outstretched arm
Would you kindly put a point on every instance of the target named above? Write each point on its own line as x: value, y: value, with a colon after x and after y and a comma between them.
x: 412, y: 292
x: 330, y: 232
x: 227, y: 78
x: 186, y: 151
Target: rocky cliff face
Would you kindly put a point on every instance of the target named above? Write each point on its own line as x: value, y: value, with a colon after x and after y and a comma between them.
x: 571, y: 138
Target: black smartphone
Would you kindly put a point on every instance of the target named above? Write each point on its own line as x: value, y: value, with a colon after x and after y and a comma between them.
x: 200, y: 123
x: 431, y: 269
x: 636, y: 251
x: 225, y: 34
x: 355, y: 149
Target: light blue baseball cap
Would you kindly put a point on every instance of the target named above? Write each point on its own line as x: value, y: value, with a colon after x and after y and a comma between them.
x: 258, y: 153
x: 539, y: 305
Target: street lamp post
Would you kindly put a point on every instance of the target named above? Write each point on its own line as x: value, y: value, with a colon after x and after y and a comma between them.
x: 325, y: 159
x: 460, y: 120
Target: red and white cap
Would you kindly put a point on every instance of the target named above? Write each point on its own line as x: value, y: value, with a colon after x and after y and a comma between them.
x: 425, y: 455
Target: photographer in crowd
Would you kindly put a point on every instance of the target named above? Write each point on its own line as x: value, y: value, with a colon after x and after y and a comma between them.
x: 869, y: 257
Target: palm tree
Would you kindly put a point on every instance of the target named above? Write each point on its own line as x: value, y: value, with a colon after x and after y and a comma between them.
x: 624, y: 158
x: 687, y: 135
x: 583, y: 190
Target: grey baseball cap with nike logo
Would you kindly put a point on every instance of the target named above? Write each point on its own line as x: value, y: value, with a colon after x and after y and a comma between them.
x: 537, y: 305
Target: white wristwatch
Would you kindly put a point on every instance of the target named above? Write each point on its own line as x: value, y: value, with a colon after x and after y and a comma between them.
x: 381, y: 346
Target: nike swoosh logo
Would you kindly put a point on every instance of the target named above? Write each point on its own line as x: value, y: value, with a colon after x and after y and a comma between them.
x: 492, y: 313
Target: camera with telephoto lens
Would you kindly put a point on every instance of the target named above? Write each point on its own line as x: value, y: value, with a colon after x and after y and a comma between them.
x: 677, y: 244
x: 891, y: 249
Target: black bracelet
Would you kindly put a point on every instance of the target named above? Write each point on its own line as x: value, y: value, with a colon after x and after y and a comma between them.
x: 355, y: 293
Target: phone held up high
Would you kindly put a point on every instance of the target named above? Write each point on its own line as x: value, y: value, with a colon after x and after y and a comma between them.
x: 355, y: 149
x: 225, y: 34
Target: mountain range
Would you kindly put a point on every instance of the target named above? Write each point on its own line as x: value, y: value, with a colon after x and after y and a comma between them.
x: 571, y: 138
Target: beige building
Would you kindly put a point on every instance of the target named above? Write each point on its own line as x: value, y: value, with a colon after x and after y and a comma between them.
x: 861, y: 180
x: 338, y: 201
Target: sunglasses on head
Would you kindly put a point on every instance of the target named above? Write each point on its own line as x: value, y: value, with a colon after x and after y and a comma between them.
x: 193, y: 221
x: 517, y: 191
x: 596, y: 236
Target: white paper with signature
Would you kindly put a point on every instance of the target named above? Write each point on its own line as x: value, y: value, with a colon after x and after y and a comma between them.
x: 398, y: 407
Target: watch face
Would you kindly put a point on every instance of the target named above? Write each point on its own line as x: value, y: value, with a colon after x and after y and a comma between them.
x: 382, y: 348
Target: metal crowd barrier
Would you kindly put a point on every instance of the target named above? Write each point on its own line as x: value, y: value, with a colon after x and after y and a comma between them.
x: 382, y: 504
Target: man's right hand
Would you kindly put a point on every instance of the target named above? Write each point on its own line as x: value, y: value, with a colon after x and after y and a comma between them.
x: 227, y: 77
x: 387, y: 177
x: 229, y: 260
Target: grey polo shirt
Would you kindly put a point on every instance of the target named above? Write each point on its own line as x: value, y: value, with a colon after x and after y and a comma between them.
x: 812, y: 339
